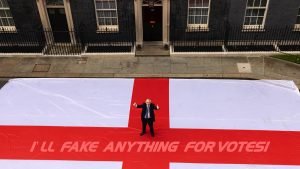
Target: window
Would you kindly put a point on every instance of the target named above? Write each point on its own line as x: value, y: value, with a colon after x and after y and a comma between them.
x: 6, y: 19
x: 107, y: 15
x: 54, y: 2
x: 255, y: 14
x: 198, y: 13
x: 297, y: 25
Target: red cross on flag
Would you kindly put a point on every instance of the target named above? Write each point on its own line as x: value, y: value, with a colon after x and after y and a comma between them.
x: 201, y: 124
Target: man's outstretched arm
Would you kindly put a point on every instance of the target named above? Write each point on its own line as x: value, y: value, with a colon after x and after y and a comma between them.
x: 156, y: 107
x: 137, y: 105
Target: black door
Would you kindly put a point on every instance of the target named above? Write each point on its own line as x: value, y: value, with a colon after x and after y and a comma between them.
x: 152, y: 23
x: 59, y: 25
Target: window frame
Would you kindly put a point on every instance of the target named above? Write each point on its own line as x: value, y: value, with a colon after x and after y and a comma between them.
x: 106, y: 28
x: 262, y: 26
x: 201, y: 27
x: 7, y: 28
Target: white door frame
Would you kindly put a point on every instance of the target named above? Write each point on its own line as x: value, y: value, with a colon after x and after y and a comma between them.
x: 42, y: 8
x: 139, y: 21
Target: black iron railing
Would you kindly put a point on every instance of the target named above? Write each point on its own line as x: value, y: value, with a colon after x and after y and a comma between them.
x: 50, y: 42
x: 228, y: 38
x: 109, y: 40
x: 212, y: 39
x: 13, y: 41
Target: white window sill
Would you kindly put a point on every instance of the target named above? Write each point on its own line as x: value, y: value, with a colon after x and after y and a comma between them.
x: 11, y: 29
x: 253, y: 28
x: 197, y: 28
x: 109, y: 29
x: 297, y: 27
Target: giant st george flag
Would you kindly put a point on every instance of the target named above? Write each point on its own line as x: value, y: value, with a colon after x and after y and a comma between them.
x: 216, y: 124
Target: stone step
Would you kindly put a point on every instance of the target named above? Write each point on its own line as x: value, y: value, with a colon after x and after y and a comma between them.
x: 152, y: 50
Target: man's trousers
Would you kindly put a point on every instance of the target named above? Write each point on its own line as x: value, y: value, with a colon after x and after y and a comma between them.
x: 150, y: 124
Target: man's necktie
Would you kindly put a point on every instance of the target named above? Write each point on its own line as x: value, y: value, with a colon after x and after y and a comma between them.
x: 148, y: 111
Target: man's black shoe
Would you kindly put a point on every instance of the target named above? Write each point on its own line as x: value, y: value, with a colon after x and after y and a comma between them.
x: 142, y: 134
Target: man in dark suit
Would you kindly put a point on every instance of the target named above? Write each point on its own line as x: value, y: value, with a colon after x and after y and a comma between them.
x: 147, y: 115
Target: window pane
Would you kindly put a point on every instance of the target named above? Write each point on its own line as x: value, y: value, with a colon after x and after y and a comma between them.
x: 62, y: 11
x: 105, y: 5
x: 205, y: 3
x: 192, y: 11
x: 107, y: 12
x: 114, y: 13
x: 298, y: 20
x: 11, y: 22
x: 4, y: 4
x: 255, y: 12
x: 250, y: 3
x: 264, y: 3
x: 51, y: 11
x: 192, y: 3
x: 54, y: 2
x: 101, y: 21
x: 114, y: 21
x: 198, y: 3
x: 108, y: 21
x: 256, y: 3
x: 100, y: 13
x: 197, y: 20
x: 5, y: 22
x: 260, y: 20
x: 191, y: 20
x: 253, y: 21
x: 8, y: 13
x: 204, y: 11
x: 261, y: 12
x: 255, y: 16
x: 98, y: 5
x: 2, y: 13
x: 204, y: 20
x: 248, y: 12
x: 198, y: 11
x: 247, y: 21
x: 113, y: 5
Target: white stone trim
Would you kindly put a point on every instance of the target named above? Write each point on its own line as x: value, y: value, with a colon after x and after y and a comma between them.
x: 138, y: 4
x: 138, y: 22
x: 69, y: 19
x: 42, y: 8
x: 224, y: 53
x: 264, y: 20
x: 10, y: 27
x: 106, y: 28
x: 202, y: 26
x: 166, y: 22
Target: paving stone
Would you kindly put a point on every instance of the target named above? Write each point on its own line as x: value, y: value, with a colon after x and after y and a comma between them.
x: 144, y: 68
x: 178, y: 68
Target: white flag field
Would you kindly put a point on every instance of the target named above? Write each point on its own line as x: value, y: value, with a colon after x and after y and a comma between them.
x: 203, y: 124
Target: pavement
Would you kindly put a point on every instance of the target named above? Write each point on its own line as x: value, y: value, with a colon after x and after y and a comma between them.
x: 243, y: 67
